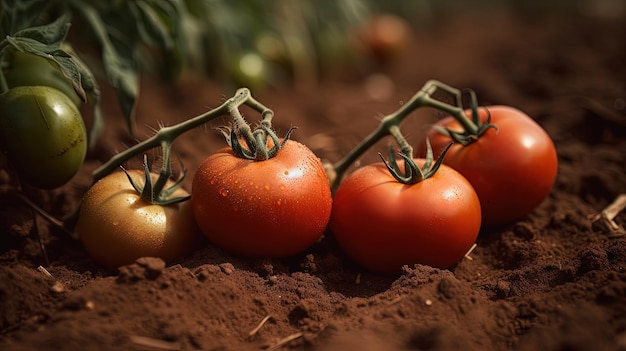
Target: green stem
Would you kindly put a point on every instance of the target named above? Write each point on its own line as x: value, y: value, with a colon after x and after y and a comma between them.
x: 457, y: 111
x: 390, y: 124
x: 4, y: 86
x: 169, y: 134
x: 166, y: 168
x: 260, y: 142
x: 404, y: 145
x: 256, y: 140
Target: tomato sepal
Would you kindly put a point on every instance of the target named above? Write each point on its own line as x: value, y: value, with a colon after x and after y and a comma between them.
x: 256, y: 141
x: 157, y: 194
x: 473, y: 128
x: 412, y: 172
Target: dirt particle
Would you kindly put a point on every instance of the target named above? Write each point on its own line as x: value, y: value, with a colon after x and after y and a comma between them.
x: 593, y: 258
x: 524, y: 231
x: 503, y: 289
x: 149, y: 268
x: 227, y: 268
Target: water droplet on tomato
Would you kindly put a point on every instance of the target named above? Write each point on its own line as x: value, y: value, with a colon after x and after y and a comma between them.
x: 224, y: 192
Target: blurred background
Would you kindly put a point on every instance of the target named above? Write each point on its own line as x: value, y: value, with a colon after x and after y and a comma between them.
x: 260, y: 44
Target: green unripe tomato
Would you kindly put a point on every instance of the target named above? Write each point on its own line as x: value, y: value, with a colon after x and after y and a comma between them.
x: 42, y: 134
x: 26, y: 69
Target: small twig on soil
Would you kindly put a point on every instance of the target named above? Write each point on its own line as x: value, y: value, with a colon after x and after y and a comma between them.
x: 605, y: 219
x: 40, y: 211
x: 394, y: 301
x: 42, y: 245
x: 154, y: 343
x: 43, y: 270
x: 284, y: 341
x: 260, y: 325
x: 58, y: 287
x: 469, y: 252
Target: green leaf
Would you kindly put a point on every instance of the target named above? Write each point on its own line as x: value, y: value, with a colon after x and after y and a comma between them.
x: 46, y: 41
x: 52, y: 52
x: 52, y: 34
x: 20, y: 14
x: 91, y: 88
x: 118, y: 61
x: 157, y: 22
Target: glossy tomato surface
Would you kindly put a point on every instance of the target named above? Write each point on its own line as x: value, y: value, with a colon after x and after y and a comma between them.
x: 43, y: 134
x: 273, y: 208
x: 116, y: 226
x: 512, y: 168
x: 383, y: 224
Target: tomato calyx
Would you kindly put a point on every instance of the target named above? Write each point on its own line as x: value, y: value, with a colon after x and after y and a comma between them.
x: 472, y: 128
x: 156, y: 193
x: 259, y: 144
x: 412, y: 172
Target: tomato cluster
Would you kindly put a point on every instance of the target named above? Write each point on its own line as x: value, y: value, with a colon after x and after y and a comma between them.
x: 271, y: 197
x: 264, y: 196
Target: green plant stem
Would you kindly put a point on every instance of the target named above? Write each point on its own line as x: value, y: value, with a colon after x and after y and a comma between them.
x: 167, y: 135
x: 390, y: 125
x: 166, y: 169
x: 4, y: 86
x: 404, y: 145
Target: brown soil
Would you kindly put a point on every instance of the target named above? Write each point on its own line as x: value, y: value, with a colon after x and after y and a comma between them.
x: 551, y: 281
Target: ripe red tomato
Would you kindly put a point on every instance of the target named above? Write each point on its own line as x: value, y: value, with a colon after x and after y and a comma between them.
x: 273, y: 208
x: 116, y: 226
x: 383, y: 224
x: 512, y: 168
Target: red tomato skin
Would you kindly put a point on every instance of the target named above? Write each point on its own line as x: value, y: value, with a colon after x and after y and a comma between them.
x: 273, y: 208
x: 512, y: 168
x: 383, y: 224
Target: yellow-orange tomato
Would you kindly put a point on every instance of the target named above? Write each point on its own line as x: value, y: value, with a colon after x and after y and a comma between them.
x: 116, y: 226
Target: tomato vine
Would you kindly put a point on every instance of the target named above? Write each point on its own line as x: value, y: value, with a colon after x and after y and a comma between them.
x: 390, y: 126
